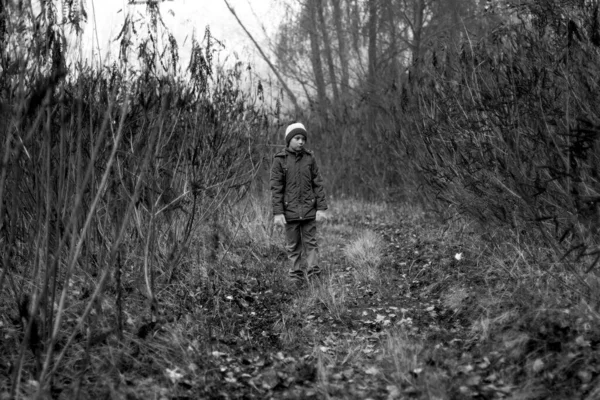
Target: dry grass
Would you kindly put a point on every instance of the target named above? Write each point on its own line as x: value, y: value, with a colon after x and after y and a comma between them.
x: 403, y: 353
x: 112, y: 227
x: 291, y: 326
x: 349, y: 211
x: 365, y: 254
x: 454, y: 297
x: 328, y: 294
x: 403, y: 365
x: 331, y: 293
x: 251, y: 221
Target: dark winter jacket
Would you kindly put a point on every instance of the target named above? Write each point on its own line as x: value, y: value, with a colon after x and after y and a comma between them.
x: 296, y: 186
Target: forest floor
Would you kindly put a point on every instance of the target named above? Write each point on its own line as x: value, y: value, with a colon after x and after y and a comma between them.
x: 410, y: 308
x: 407, y: 308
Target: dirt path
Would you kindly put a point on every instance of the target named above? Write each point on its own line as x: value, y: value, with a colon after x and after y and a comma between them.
x: 407, y: 308
x: 395, y: 334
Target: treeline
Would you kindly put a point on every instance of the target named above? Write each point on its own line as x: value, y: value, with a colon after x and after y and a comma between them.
x: 487, y: 107
x: 356, y: 62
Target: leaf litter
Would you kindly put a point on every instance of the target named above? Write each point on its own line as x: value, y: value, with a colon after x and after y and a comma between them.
x: 420, y: 332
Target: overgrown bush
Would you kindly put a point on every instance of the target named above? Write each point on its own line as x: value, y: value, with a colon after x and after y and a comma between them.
x: 507, y: 126
x: 107, y: 180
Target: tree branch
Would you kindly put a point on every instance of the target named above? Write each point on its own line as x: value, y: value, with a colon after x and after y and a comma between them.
x: 264, y: 56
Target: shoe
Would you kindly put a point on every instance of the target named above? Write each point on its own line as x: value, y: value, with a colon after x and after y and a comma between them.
x: 314, y: 272
x: 296, y: 276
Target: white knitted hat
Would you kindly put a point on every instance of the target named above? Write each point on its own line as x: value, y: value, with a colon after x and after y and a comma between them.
x: 293, y: 130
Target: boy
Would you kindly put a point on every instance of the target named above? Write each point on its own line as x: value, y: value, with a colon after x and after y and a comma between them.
x: 298, y: 201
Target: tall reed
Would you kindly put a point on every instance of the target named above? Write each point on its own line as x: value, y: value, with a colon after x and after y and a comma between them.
x: 105, y: 176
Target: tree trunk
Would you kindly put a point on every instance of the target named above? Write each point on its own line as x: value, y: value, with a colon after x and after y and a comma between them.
x: 372, y: 50
x: 315, y: 56
x: 395, y: 65
x: 355, y: 23
x: 418, y: 14
x: 328, y: 51
x: 456, y: 26
x: 342, y: 48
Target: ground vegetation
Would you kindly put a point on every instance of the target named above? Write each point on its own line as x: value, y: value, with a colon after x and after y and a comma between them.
x: 458, y: 142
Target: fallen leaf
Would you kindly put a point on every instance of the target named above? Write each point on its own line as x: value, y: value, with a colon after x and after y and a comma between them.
x: 465, y: 390
x: 465, y: 369
x: 393, y: 392
x: 348, y: 373
x: 580, y: 341
x: 473, y: 380
x: 410, y: 391
x: 173, y: 374
x: 484, y: 364
x: 506, y: 389
x: 372, y: 370
x: 538, y: 365
x: 584, y: 376
x: 269, y: 379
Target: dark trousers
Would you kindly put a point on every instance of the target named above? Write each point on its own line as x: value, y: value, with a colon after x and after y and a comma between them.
x: 301, y: 244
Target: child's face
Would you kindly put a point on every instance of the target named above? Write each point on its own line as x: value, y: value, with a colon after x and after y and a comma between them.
x: 297, y: 142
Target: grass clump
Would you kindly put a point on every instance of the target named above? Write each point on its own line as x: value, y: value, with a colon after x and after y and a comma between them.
x: 332, y: 294
x: 365, y: 254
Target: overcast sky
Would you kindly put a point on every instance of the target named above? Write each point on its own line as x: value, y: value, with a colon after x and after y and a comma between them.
x: 106, y: 17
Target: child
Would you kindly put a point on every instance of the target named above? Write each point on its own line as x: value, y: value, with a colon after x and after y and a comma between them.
x: 298, y: 201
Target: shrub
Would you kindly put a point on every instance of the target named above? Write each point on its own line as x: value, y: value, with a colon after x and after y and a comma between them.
x: 106, y: 177
x: 507, y: 128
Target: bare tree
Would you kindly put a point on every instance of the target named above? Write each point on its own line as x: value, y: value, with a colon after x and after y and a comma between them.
x: 417, y: 23
x: 354, y: 16
x: 393, y: 34
x: 372, y: 50
x: 315, y: 47
x: 328, y: 51
x: 342, y: 48
x: 289, y: 92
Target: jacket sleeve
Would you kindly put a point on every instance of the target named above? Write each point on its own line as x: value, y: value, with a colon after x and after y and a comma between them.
x: 317, y: 184
x: 277, y: 186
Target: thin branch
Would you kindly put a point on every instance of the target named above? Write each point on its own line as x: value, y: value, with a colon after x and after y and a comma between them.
x: 264, y: 56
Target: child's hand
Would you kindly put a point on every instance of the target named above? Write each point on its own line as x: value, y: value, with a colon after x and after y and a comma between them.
x: 322, y: 216
x: 279, y: 220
